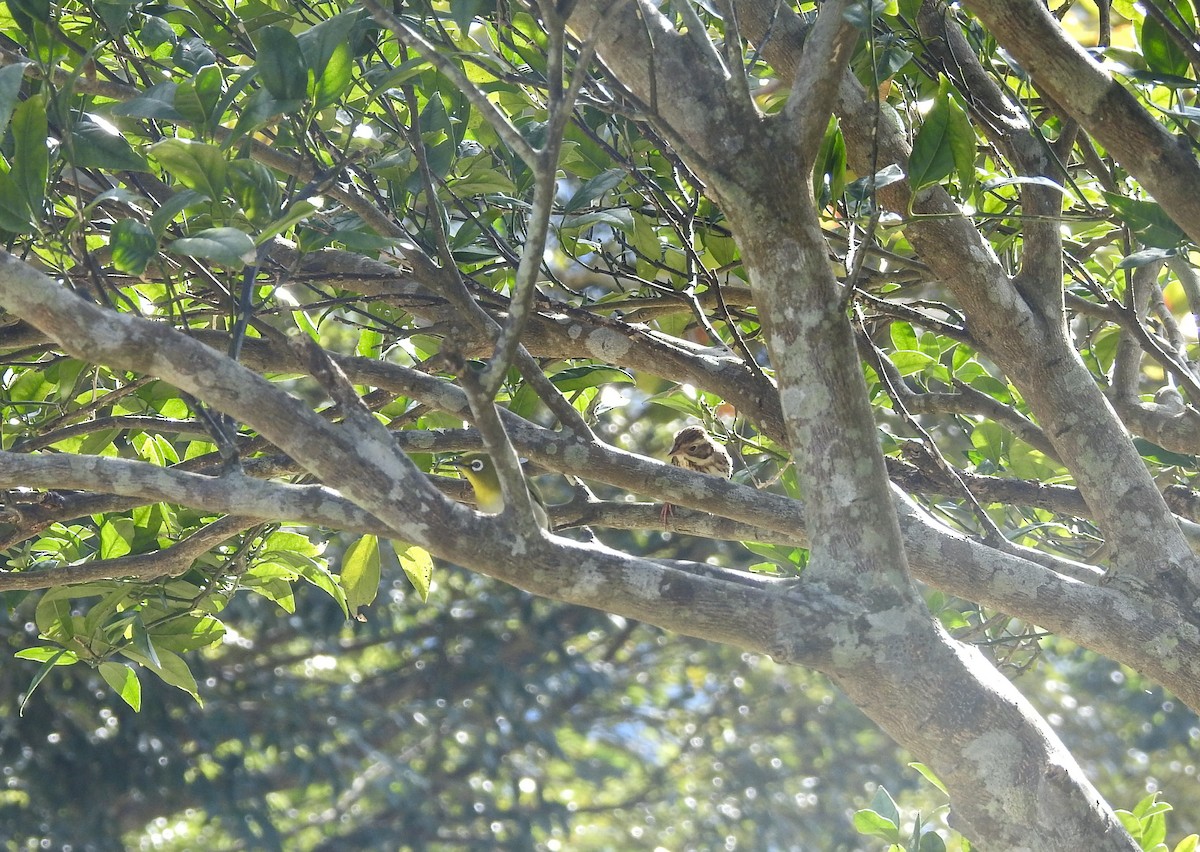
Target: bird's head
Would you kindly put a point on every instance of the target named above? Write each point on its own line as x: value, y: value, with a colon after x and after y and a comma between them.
x: 480, y: 471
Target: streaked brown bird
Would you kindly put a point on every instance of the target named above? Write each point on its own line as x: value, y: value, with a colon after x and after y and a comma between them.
x: 694, y: 449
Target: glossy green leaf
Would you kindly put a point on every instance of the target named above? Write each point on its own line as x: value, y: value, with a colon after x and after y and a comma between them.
x: 1159, y: 49
x: 115, y: 14
x: 929, y: 775
x: 260, y: 109
x: 319, y: 43
x: 227, y: 246
x: 38, y: 10
x: 592, y: 189
x: 361, y: 572
x: 93, y: 146
x: 47, y: 654
x: 31, y: 157
x: 14, y: 210
x: 144, y: 644
x: 589, y: 376
x: 172, y: 669
x: 320, y: 576
x: 155, y: 32
x: 196, y: 98
x: 157, y: 102
x: 944, y: 144
x: 280, y: 63
x: 1148, y: 220
x: 61, y: 657
x: 133, y: 245
x: 10, y: 87
x: 197, y: 165
x: 172, y: 207
x: 417, y: 565
x: 872, y: 824
x: 829, y: 176
x: 116, y: 538
x: 255, y: 188
x: 124, y: 681
x: 931, y: 841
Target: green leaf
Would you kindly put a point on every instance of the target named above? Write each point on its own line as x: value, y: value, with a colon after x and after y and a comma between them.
x: 992, y: 440
x: 321, y: 43
x: 133, y: 245
x: 908, y: 362
x: 38, y: 10
x: 157, y: 102
x: 196, y: 165
x: 619, y: 218
x: 361, y: 573
x: 594, y: 188
x: 295, y: 213
x: 945, y: 143
x: 124, y: 681
x: 255, y: 188
x: 829, y: 177
x: 1159, y: 50
x: 114, y: 14
x: 31, y: 157
x: 142, y: 641
x: 10, y: 87
x: 187, y: 633
x: 304, y: 323
x: 329, y: 85
x: 873, y: 824
x: 14, y: 210
x: 1130, y: 823
x: 172, y: 207
x: 156, y: 31
x: 320, y: 577
x: 280, y: 64
x: 1148, y: 220
x: 903, y: 336
x: 227, y: 246
x: 260, y: 109
x: 172, y: 669
x: 1145, y: 257
x: 45, y: 654
x: 196, y: 98
x: 116, y: 538
x: 883, y: 804
x: 417, y: 565
x: 929, y: 776
x: 931, y: 841
x: 589, y: 376
x: 92, y: 146
x: 61, y: 657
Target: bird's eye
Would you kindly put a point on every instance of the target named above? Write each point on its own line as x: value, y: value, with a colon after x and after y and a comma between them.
x: 477, y: 465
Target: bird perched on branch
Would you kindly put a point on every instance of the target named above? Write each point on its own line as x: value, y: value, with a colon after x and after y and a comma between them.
x: 480, y: 471
x: 694, y: 449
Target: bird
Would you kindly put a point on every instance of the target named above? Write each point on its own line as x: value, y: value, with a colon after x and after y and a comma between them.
x: 480, y: 471
x: 694, y: 449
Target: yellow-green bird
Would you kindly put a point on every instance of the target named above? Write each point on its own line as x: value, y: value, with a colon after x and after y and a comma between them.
x: 480, y: 471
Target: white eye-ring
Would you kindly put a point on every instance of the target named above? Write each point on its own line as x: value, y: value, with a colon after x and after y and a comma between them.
x: 477, y: 465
